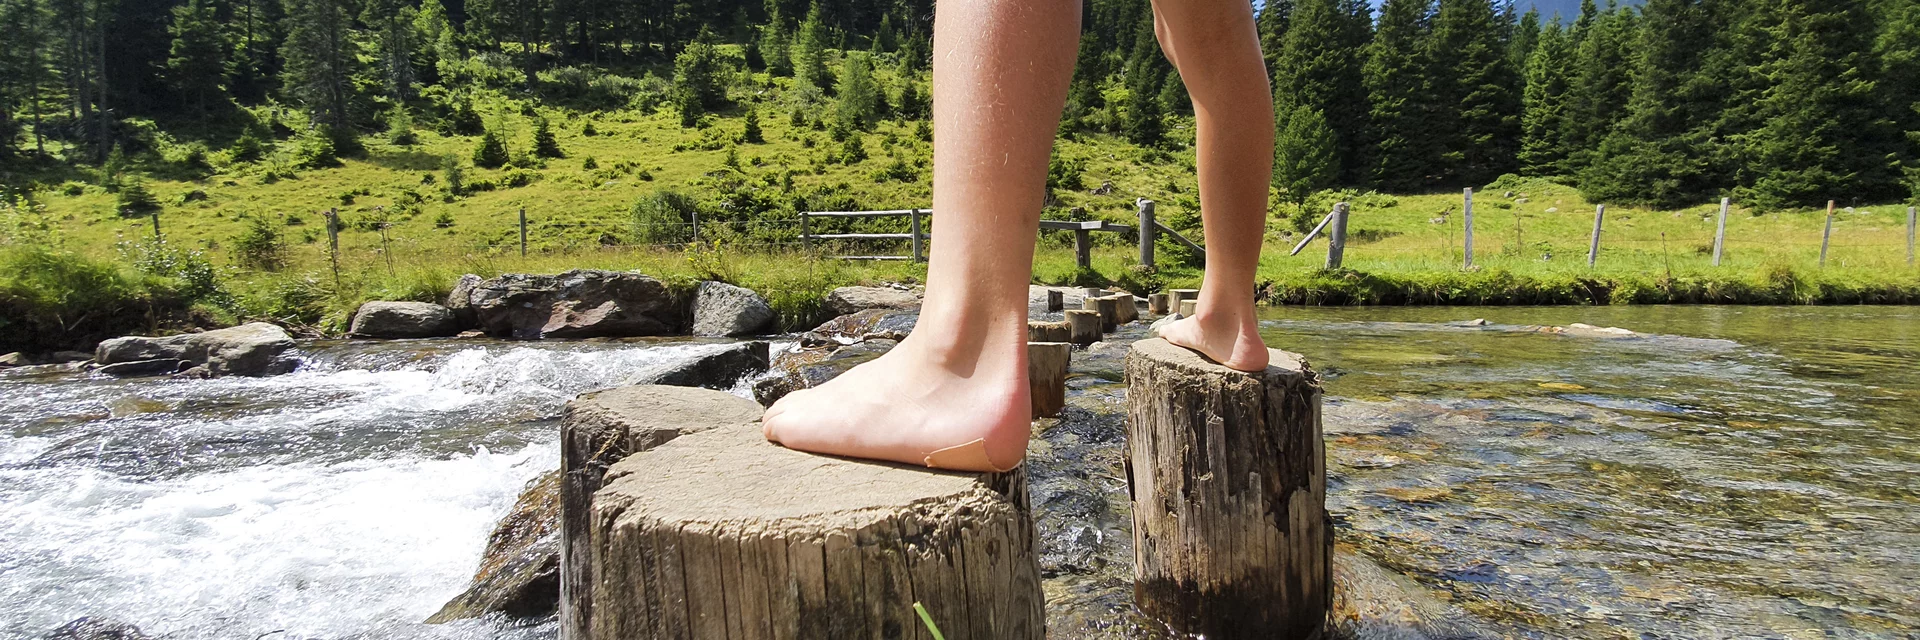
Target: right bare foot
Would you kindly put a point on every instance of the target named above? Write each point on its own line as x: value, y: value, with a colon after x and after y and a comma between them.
x: 1233, y: 340
x: 914, y: 406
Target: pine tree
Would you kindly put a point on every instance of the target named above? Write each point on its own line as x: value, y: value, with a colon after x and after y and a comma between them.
x: 491, y: 152
x: 1304, y: 160
x: 1318, y: 68
x: 1405, y: 155
x: 1659, y: 153
x: 545, y: 145
x: 320, y: 61
x: 1147, y: 69
x: 436, y: 39
x: 857, y: 101
x: 1272, y: 26
x: 1602, y: 81
x: 1824, y: 134
x: 397, y: 39
x: 1898, y: 50
x: 196, y: 60
x: 752, y: 134
x: 1478, y: 109
x: 699, y: 83
x: 774, y: 49
x: 1526, y: 37
x: 810, y: 52
x: 1543, y: 145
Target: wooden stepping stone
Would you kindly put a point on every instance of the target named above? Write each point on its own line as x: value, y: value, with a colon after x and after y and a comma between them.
x: 1228, y: 477
x: 1038, y: 331
x: 1047, y: 377
x: 1109, y: 310
x: 1084, y: 327
x: 1157, y: 303
x: 721, y: 535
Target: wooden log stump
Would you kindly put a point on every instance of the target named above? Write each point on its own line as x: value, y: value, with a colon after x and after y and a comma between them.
x: 1181, y: 295
x: 1187, y: 307
x: 1048, y: 331
x: 1056, y: 300
x: 720, y: 535
x: 1047, y: 376
x: 1157, y: 304
x: 1083, y: 327
x: 1129, y: 307
x: 601, y: 428
x: 1228, y: 477
x: 1109, y: 310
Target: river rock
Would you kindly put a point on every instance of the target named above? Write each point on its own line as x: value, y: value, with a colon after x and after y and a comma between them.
x: 519, y: 574
x: 16, y: 359
x: 867, y: 324
x: 718, y: 370
x: 384, y: 319
x: 91, y: 628
x: 807, y: 368
x: 460, y: 301
x: 253, y: 349
x: 578, y: 304
x: 721, y: 309
x: 64, y: 357
x: 845, y: 300
x: 1371, y: 602
x: 141, y: 368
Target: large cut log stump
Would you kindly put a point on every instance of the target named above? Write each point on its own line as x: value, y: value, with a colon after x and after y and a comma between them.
x: 604, y: 427
x: 1047, y: 377
x: 1228, y: 478
x: 1048, y: 331
x: 1109, y: 310
x: 720, y: 535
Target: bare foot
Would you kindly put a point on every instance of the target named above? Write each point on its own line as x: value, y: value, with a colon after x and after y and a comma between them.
x: 1233, y: 342
x: 913, y: 406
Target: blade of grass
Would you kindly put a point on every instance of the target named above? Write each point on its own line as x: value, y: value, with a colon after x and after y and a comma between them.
x: 935, y: 629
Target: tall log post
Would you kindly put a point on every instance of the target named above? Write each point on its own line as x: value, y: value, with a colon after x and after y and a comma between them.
x: 1047, y: 376
x: 688, y: 541
x: 1056, y: 300
x: 1083, y: 327
x: 1227, y: 473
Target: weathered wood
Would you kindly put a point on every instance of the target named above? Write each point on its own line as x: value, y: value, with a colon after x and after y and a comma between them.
x: 1109, y: 308
x: 1157, y: 303
x: 1826, y: 236
x: 1187, y: 308
x: 1469, y: 223
x: 1324, y: 221
x: 1227, y: 473
x: 1083, y: 248
x: 689, y: 543
x: 1337, y: 237
x: 1180, y: 295
x: 1048, y: 331
x: 913, y: 227
x: 1720, y: 232
x: 1127, y: 306
x: 1056, y: 300
x: 601, y: 428
x: 1047, y: 376
x: 1599, y: 218
x: 1083, y: 326
x: 1145, y: 209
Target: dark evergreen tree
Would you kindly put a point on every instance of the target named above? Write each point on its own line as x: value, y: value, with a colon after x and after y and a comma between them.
x: 774, y: 49
x: 196, y: 63
x: 1477, y: 111
x: 255, y: 28
x: 1660, y: 153
x: 857, y: 99
x: 1272, y: 25
x: 1898, y: 50
x: 320, y: 62
x: 1147, y: 69
x: 1543, y: 138
x: 1304, y: 158
x: 396, y: 40
x: 699, y: 80
x: 491, y: 152
x: 751, y: 134
x: 545, y: 145
x: 1405, y: 152
x: 810, y: 51
x: 1520, y: 45
x: 1602, y: 80
x: 1318, y: 68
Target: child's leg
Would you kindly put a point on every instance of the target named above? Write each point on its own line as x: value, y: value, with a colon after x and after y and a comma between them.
x: 954, y: 393
x: 1214, y: 45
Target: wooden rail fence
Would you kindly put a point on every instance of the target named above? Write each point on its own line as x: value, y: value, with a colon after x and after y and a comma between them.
x: 918, y: 235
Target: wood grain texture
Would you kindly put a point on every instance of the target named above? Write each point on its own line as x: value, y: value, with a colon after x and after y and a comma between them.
x: 1047, y: 376
x: 1083, y: 327
x: 1228, y: 478
x: 1109, y: 310
x: 1157, y: 303
x: 720, y: 535
x: 1048, y: 331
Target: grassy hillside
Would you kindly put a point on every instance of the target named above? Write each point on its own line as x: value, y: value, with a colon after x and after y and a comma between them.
x: 408, y: 236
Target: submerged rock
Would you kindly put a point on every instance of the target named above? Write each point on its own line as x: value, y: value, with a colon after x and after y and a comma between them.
x: 139, y: 368
x: 807, y: 368
x: 719, y: 370
x: 253, y: 349
x: 519, y: 574
x: 868, y: 324
x: 578, y: 304
x: 91, y: 628
x: 845, y: 300
x: 384, y: 319
x: 721, y: 309
x: 1371, y: 602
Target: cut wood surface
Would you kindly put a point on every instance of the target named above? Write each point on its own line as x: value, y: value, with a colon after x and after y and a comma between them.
x: 1083, y: 327
x: 721, y: 535
x: 1047, y: 376
x: 1127, y: 306
x: 1109, y: 309
x: 604, y: 427
x: 1048, y: 331
x: 1228, y: 478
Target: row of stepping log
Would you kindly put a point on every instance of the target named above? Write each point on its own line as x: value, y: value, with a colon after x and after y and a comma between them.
x: 1050, y: 344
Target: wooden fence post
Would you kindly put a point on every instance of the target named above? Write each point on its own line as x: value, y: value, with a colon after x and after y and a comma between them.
x: 1910, y: 227
x: 1720, y: 233
x: 386, y: 247
x: 1147, y: 231
x: 1083, y: 326
x: 333, y: 244
x: 523, y: 232
x: 1337, y: 237
x: 1056, y: 300
x: 1826, y: 236
x: 913, y: 225
x: 1593, y: 251
x: 156, y: 226
x: 1469, y: 221
x: 695, y: 216
x: 1082, y: 249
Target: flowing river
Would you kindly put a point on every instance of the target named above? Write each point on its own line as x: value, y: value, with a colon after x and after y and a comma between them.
x: 1724, y: 472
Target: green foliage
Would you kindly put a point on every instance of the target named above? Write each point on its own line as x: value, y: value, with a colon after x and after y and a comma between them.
x: 52, y: 299
x: 491, y: 151
x: 699, y: 81
x: 751, y: 133
x: 1475, y: 92
x: 198, y: 280
x: 259, y: 245
x: 1405, y: 153
x: 1543, y: 120
x: 664, y: 217
x: 400, y: 127
x: 1066, y: 173
x: 1317, y: 67
x: 196, y: 61
x: 857, y: 104
x: 453, y: 175
x: 544, y: 143
x: 810, y: 51
x: 1304, y: 160
x: 315, y: 149
x: 135, y: 200
x: 775, y: 51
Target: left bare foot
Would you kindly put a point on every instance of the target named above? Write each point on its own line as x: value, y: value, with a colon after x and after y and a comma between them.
x: 1233, y: 340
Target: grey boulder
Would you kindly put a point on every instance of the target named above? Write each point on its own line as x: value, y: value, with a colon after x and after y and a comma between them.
x: 577, y: 304
x: 721, y: 309
x: 252, y: 349
x: 519, y: 574
x: 384, y: 319
x: 716, y: 370
x: 845, y: 300
x: 460, y: 300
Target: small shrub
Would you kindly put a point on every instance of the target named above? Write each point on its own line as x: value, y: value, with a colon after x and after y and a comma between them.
x: 135, y: 200
x: 1066, y: 174
x: 589, y: 131
x: 589, y: 164
x: 752, y: 133
x: 316, y: 149
x: 664, y: 217
x: 71, y: 188
x: 491, y: 152
x: 454, y: 176
x: 443, y: 220
x: 400, y: 128
x: 544, y: 144
x: 249, y: 147
x: 194, y: 195
x: 258, y: 246
x: 853, y: 151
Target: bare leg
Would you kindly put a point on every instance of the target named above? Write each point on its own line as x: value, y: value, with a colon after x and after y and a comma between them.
x: 954, y: 393
x: 1215, y: 47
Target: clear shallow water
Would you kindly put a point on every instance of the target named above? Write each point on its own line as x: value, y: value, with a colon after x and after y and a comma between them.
x: 1730, y: 473
x: 349, y: 499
